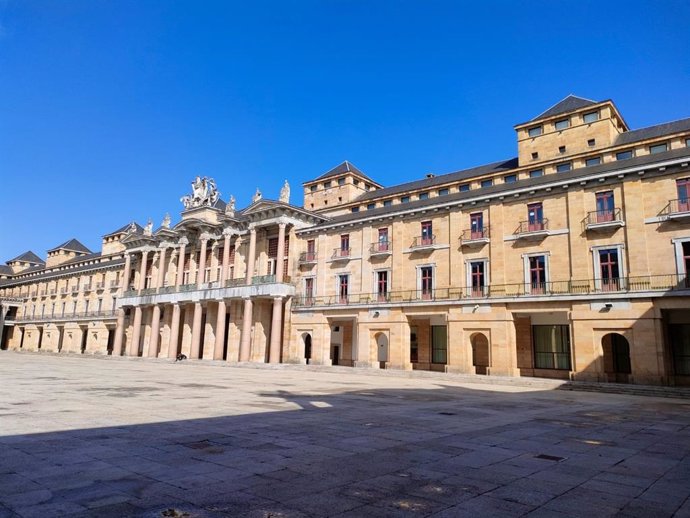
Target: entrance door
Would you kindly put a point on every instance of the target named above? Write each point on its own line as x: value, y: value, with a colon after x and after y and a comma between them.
x: 382, y: 349
x: 307, y: 349
x: 335, y: 354
x: 616, y: 357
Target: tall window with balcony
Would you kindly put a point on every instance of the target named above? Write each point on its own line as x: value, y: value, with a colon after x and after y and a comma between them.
x: 609, y: 269
x: 147, y: 280
x: 477, y: 225
x: 343, y: 288
x: 478, y: 283
x: 427, y: 282
x: 344, y: 250
x: 605, y: 207
x: 286, y: 254
x: 427, y: 237
x: 535, y: 217
x: 186, y: 267
x: 537, y: 274
x: 382, y: 286
x: 683, y: 189
x: 311, y: 250
x: 219, y: 262
x: 309, y: 291
x: 382, y: 244
x: 272, y: 255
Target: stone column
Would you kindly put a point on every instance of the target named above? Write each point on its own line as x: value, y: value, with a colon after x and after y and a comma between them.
x: 125, y: 275
x: 226, y: 259
x: 161, y: 269
x: 136, y: 333
x: 174, y: 332
x: 196, y: 331
x: 201, y: 267
x: 251, y: 259
x: 120, y: 328
x: 245, y: 341
x: 220, y: 331
x: 155, y: 331
x: 280, y: 258
x: 180, y: 264
x: 276, y: 329
x: 142, y: 270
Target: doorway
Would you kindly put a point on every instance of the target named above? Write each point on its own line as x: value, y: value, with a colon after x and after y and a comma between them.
x: 382, y: 350
x: 480, y: 353
x: 617, y: 366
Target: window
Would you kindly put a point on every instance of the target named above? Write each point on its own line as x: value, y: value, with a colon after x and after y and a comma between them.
x: 327, y: 184
x: 343, y: 292
x: 551, y: 347
x: 427, y: 233
x: 562, y: 124
x: 387, y: 203
x: 383, y: 244
x: 537, y: 274
x: 424, y: 196
x: 511, y: 178
x: 535, y: 217
x: 605, y: 206
x: 464, y: 187
x: 443, y: 192
x: 658, y: 148
x: 593, y: 161
x: 405, y: 199
x: 591, y: 142
x: 534, y: 132
x: 609, y: 269
x: 371, y: 206
x: 536, y: 173
x: 683, y: 190
x: 562, y: 168
x: 487, y: 183
x: 345, y: 245
x: 682, y: 248
x: 624, y: 155
x: 477, y: 281
x: 341, y: 181
x: 414, y: 344
x: 439, y: 344
x: 311, y: 250
x: 313, y: 188
x: 561, y: 149
x: 355, y: 181
x: 355, y: 209
x: 535, y: 155
x: 477, y: 225
x: 687, y: 142
x: 590, y: 117
x: 382, y: 286
x: 427, y: 282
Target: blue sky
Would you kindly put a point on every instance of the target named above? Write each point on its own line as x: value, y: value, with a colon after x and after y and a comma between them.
x: 108, y: 109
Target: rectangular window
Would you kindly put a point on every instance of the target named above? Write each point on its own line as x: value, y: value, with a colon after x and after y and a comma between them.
x: 590, y: 117
x: 534, y: 132
x: 658, y: 148
x: 427, y: 282
x: 355, y: 181
x: 309, y: 291
x: 439, y: 344
x: 343, y: 291
x: 562, y: 168
x: 593, y: 161
x: 371, y: 206
x: 382, y: 286
x: 487, y: 183
x: 511, y: 178
x: 405, y: 199
x: 535, y: 217
x: 687, y: 142
x: 443, y: 192
x: 562, y: 124
x: 551, y: 347
x: 464, y: 187
x: 311, y: 250
x: 383, y: 245
x: 326, y: 185
x: 609, y: 269
x: 477, y: 278
x: 683, y: 190
x: 679, y: 338
x: 536, y: 173
x: 537, y: 274
x: 427, y: 233
x: 387, y: 203
x: 605, y: 206
x: 424, y: 196
x: 414, y: 344
x: 355, y: 209
x: 477, y: 225
x: 341, y: 181
x: 624, y: 155
x: 313, y: 188
x: 345, y: 245
x: 591, y: 142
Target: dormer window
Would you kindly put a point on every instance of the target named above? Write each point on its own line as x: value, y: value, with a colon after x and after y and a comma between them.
x: 341, y: 181
x: 536, y: 173
x: 590, y: 117
x: 562, y: 168
x: 534, y: 132
x: 387, y: 203
x: 487, y: 183
x: 593, y: 161
x: 313, y: 188
x: 443, y: 192
x: 562, y: 124
x: 405, y: 199
x: 424, y: 196
x: 511, y: 178
x: 371, y: 206
x: 464, y: 187
x: 355, y: 181
x: 624, y: 155
x: 327, y: 184
x: 658, y: 148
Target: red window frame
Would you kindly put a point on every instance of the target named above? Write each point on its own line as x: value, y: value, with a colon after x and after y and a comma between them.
x: 427, y: 278
x: 605, y: 206
x: 382, y: 286
x: 537, y: 274
x: 309, y: 291
x: 311, y: 250
x: 683, y: 190
x: 344, y: 245
x: 343, y: 288
x: 535, y: 217
x: 609, y: 267
x: 383, y: 240
x: 477, y: 278
x: 427, y: 233
x: 477, y: 225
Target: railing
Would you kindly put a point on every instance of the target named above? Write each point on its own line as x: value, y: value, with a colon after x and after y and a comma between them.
x: 114, y: 284
x: 423, y: 241
x: 341, y: 253
x: 100, y: 285
x: 64, y: 290
x: 148, y: 291
x: 474, y: 234
x: 677, y: 206
x: 670, y: 282
x: 603, y: 216
x: 110, y: 313
x: 75, y: 289
x: 33, y: 294
x: 307, y: 257
x: 381, y: 248
x: 536, y: 225
x: 53, y: 291
x: 130, y: 293
x: 187, y: 287
x: 87, y: 287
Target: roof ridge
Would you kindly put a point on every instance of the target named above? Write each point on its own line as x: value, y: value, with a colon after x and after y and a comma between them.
x: 655, y: 125
x: 561, y: 101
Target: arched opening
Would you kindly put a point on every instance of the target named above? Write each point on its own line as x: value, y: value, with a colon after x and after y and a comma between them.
x: 382, y: 349
x: 480, y: 353
x: 616, y: 357
x: 306, y: 338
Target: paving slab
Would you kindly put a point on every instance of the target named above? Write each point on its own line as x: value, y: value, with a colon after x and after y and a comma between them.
x: 88, y: 436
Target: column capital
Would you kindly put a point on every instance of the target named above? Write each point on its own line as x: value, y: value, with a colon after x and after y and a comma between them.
x: 183, y: 241
x: 229, y: 232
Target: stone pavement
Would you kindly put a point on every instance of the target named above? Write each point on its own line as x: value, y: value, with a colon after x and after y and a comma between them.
x: 130, y: 437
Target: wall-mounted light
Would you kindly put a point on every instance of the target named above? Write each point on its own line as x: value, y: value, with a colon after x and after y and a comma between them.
x: 376, y: 314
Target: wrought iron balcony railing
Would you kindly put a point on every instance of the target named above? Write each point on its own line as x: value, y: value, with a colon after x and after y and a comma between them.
x: 677, y: 208
x: 341, y: 254
x: 470, y: 236
x: 381, y: 248
x: 307, y: 258
x: 602, y: 218
x: 533, y: 226
x: 421, y: 242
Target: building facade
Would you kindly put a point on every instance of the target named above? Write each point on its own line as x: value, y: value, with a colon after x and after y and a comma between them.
x: 569, y: 261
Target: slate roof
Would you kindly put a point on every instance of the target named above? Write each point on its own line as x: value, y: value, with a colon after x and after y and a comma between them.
x: 425, y: 183
x: 659, y: 130
x: 139, y: 229
x: 27, y: 257
x: 73, y: 246
x: 569, y: 104
x: 345, y: 167
x: 5, y: 270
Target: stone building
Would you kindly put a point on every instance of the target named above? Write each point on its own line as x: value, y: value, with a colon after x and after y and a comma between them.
x: 568, y: 261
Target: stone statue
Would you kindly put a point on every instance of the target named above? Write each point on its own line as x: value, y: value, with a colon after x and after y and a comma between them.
x: 166, y: 221
x: 148, y: 229
x: 230, y: 207
x: 257, y: 196
x: 285, y: 193
x: 132, y: 227
x: 204, y: 192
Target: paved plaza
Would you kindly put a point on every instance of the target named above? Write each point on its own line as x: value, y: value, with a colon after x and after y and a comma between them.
x: 129, y: 437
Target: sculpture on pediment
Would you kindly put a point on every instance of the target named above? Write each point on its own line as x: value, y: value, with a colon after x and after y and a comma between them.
x: 204, y: 193
x: 285, y: 193
x: 166, y: 221
x: 132, y: 227
x: 230, y: 206
x: 257, y: 196
x: 148, y: 229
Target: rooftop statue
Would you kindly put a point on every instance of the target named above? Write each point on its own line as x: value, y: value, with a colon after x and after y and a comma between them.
x: 166, y: 221
x: 204, y: 192
x: 285, y: 193
x: 148, y: 229
x: 257, y: 196
x: 230, y: 206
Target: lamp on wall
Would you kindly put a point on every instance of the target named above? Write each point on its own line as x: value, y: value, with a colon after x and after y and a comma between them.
x: 376, y: 314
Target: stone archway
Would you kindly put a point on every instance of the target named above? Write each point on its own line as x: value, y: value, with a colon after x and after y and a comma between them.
x: 382, y: 349
x: 480, y: 353
x: 616, y: 352
x: 306, y: 342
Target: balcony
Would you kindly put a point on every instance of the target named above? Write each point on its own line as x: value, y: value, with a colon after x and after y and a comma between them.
x: 475, y: 238
x: 604, y: 220
x: 677, y: 209
x: 307, y: 258
x: 533, y: 230
x: 100, y: 286
x: 69, y: 316
x: 64, y: 290
x: 114, y: 285
x: 381, y: 249
x: 53, y: 292
x: 75, y: 289
x: 423, y: 243
x: 341, y: 254
x: 87, y: 288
